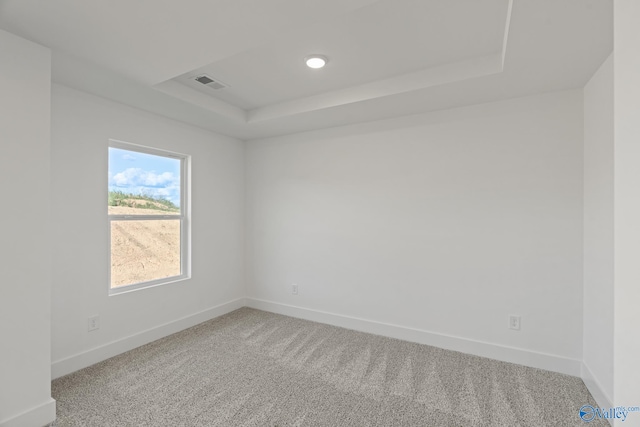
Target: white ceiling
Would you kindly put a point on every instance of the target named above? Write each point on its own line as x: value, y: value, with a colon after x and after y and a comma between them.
x: 386, y: 57
x: 425, y: 34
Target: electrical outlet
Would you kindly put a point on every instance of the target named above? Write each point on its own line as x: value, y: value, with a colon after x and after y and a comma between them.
x: 94, y: 323
x: 514, y: 323
x: 294, y: 289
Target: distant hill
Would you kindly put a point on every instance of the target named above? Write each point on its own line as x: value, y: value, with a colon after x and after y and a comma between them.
x: 119, y: 198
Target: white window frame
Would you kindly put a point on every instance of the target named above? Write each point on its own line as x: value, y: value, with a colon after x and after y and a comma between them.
x: 184, y: 217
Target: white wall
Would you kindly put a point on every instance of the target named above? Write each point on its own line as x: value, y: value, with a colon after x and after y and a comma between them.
x: 445, y: 222
x: 627, y: 204
x: 82, y: 124
x: 598, y: 234
x: 25, y: 282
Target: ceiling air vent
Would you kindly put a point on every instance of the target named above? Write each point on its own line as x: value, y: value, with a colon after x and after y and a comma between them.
x: 209, y: 82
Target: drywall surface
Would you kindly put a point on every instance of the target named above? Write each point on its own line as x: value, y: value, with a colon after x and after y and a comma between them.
x: 626, y: 66
x: 598, y: 230
x: 446, y: 222
x: 82, y: 125
x: 25, y: 283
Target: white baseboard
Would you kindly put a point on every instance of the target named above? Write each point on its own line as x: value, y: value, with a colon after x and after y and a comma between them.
x: 519, y: 356
x: 595, y: 388
x: 39, y: 416
x: 78, y: 361
x: 533, y: 359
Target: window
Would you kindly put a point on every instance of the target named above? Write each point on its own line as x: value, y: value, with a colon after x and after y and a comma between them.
x: 148, y: 217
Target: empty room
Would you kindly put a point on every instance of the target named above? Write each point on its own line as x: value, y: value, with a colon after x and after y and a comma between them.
x: 320, y: 213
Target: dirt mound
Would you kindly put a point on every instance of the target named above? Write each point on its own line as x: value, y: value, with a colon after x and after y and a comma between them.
x: 143, y: 250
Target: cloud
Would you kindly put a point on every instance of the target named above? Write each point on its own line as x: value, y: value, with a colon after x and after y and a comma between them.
x: 138, y: 177
x: 165, y: 185
x: 128, y: 157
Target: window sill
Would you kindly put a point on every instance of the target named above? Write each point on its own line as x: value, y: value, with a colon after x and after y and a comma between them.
x: 125, y: 289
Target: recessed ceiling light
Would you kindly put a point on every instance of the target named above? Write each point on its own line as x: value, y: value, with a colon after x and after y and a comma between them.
x: 315, y: 61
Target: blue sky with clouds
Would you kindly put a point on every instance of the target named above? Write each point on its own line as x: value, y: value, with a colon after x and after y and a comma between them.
x: 146, y: 174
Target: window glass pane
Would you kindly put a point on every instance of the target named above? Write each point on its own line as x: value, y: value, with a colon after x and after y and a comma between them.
x: 143, y: 250
x: 143, y: 184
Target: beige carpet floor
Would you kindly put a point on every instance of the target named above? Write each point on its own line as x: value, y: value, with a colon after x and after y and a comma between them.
x: 253, y: 368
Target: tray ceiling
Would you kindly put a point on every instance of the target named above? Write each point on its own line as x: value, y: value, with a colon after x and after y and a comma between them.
x: 386, y: 57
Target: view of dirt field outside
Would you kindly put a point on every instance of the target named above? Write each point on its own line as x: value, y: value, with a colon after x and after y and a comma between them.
x: 143, y: 249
